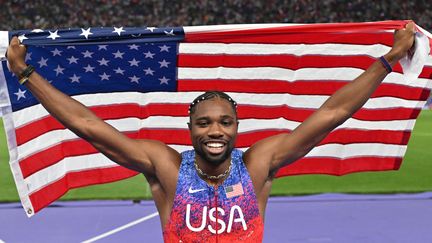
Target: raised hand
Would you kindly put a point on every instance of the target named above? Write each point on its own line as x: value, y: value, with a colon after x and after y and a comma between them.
x: 16, y: 56
x: 403, y: 40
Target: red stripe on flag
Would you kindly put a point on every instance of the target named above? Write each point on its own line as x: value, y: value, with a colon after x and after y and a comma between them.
x: 291, y: 62
x: 298, y: 87
x: 341, y: 136
x: 297, y: 114
x: 284, y: 35
x: 53, y: 191
x: 77, y: 147
x: 334, y: 166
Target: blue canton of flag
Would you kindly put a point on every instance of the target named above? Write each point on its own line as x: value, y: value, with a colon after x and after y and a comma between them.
x: 89, y: 61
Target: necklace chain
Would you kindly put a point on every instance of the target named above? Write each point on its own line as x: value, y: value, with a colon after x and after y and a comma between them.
x: 212, y: 177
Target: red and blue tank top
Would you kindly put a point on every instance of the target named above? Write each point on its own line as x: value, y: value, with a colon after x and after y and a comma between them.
x: 204, y: 213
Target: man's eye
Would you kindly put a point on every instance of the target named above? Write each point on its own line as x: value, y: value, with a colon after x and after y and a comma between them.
x: 226, y: 123
x: 202, y: 124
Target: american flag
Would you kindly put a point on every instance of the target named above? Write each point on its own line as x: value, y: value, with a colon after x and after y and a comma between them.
x: 141, y: 81
x: 234, y: 190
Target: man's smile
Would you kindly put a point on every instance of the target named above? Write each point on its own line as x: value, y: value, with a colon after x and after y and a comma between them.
x: 215, y: 147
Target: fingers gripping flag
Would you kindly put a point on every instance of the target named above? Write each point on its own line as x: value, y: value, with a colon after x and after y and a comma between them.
x: 141, y: 81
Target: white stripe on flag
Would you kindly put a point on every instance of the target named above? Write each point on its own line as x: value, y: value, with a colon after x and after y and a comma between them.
x: 232, y: 27
x: 376, y: 50
x: 56, y: 171
x: 4, y: 43
x: 283, y: 74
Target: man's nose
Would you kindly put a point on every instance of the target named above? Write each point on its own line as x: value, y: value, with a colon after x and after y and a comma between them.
x: 215, y: 131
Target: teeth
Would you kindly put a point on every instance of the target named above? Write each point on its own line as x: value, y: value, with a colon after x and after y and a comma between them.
x: 215, y: 145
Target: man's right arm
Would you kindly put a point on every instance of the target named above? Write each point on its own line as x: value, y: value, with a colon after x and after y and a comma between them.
x: 137, y: 155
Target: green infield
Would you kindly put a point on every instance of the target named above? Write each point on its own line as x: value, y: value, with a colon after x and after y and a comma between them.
x: 414, y: 176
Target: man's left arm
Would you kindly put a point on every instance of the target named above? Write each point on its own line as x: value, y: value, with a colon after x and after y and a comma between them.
x: 283, y: 149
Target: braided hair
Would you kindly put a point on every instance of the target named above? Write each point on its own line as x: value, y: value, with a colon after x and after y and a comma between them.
x: 210, y: 95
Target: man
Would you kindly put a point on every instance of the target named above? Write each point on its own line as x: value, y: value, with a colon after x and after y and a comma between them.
x: 213, y: 193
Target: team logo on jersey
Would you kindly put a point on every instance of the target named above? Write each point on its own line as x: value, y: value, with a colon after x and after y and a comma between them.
x: 192, y: 191
x: 235, y: 211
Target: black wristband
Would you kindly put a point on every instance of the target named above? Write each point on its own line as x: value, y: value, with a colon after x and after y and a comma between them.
x: 23, y: 77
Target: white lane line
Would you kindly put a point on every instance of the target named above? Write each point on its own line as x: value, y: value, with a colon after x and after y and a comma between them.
x: 121, y: 228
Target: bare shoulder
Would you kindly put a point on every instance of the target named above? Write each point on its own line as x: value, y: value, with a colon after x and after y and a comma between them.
x: 263, y: 158
x: 164, y: 163
x: 160, y: 155
x: 162, y: 175
x: 261, y: 155
x: 257, y: 161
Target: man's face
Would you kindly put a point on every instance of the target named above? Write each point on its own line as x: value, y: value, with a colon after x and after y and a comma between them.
x: 213, y: 128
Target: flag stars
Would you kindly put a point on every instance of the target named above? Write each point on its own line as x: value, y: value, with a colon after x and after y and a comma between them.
x: 43, y: 62
x: 59, y: 70
x: 102, y: 47
x: 89, y: 68
x: 164, y: 63
x: 103, y: 62
x: 134, y: 79
x: 53, y: 35
x: 37, y: 31
x: 75, y: 79
x: 119, y: 71
x: 118, y: 54
x: 70, y: 47
x: 20, y: 94
x: 56, y: 52
x: 104, y: 76
x: 164, y: 48
x: 28, y: 56
x: 169, y: 33
x: 86, y: 33
x: 73, y: 59
x: 118, y: 30
x: 149, y: 71
x: 151, y: 29
x: 133, y: 47
x: 164, y: 80
x: 134, y: 62
x: 22, y: 37
x: 87, y: 54
x: 148, y: 54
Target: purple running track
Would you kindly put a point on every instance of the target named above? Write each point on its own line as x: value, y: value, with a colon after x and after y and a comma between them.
x: 315, y: 218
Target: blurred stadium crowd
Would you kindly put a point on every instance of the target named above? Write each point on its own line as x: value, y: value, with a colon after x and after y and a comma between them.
x: 48, y: 14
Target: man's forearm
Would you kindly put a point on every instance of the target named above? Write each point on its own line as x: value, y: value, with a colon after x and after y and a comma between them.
x: 68, y: 111
x: 354, y: 95
x: 346, y: 101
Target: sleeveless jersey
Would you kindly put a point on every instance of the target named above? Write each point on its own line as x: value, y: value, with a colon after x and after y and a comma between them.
x: 204, y: 213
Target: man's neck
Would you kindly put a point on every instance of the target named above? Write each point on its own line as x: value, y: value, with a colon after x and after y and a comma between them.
x: 212, y: 174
